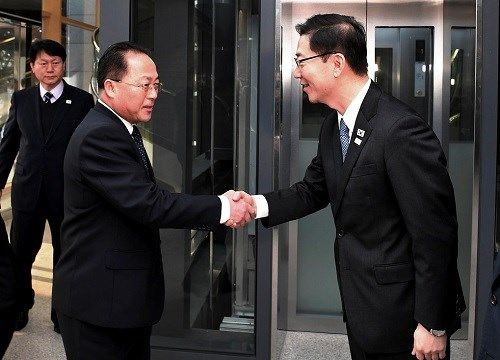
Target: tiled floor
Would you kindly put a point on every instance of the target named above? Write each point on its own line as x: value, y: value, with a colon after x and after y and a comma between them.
x: 39, y: 342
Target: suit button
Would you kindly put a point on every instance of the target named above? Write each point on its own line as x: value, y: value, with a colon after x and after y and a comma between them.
x: 340, y: 233
x: 493, y: 300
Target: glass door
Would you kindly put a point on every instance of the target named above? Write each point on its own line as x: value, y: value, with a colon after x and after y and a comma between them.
x: 202, y: 140
x: 15, y: 73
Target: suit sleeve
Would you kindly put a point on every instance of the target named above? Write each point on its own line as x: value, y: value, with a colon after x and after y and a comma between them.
x: 416, y: 167
x: 9, y: 144
x: 108, y: 166
x: 302, y: 198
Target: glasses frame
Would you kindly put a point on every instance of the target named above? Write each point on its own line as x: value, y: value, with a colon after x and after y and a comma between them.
x: 45, y: 64
x: 300, y: 61
x: 157, y: 87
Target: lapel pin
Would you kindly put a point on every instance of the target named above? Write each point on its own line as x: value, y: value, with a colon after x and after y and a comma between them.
x: 69, y: 102
x: 360, y: 133
x: 357, y: 141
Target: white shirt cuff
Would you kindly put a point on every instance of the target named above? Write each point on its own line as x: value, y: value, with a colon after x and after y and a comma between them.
x: 225, y: 210
x: 262, y: 206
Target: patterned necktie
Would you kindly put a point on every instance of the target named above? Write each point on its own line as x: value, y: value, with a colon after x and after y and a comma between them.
x: 136, y: 135
x: 344, y: 138
x: 47, y: 97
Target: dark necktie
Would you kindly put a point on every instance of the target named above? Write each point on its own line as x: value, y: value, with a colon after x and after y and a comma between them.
x: 47, y: 97
x: 344, y: 138
x: 136, y: 135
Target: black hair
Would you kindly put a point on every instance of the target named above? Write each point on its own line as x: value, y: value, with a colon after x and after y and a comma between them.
x: 332, y: 33
x: 112, y: 64
x: 51, y: 47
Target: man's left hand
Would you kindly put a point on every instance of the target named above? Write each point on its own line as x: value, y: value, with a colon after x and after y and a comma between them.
x: 427, y: 346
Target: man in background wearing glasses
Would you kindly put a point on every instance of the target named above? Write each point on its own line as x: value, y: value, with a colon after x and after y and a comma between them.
x: 40, y: 123
x: 108, y: 284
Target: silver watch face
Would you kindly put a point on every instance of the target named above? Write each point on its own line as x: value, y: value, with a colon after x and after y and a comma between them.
x: 438, y: 332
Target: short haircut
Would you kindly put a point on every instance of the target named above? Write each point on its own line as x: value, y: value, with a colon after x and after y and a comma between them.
x: 50, y: 47
x: 335, y: 33
x: 113, y: 65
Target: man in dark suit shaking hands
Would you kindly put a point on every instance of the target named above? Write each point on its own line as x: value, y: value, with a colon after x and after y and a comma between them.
x: 108, y: 284
x: 381, y: 169
x: 40, y: 123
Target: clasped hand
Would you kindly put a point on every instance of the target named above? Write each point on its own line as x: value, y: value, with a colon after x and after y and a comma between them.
x: 243, y: 208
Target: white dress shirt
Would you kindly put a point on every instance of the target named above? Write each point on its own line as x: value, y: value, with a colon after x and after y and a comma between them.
x: 225, y: 212
x: 56, y: 92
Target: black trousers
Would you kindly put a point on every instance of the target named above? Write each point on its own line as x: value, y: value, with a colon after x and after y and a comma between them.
x: 7, y: 321
x: 84, y: 341
x: 357, y: 352
x: 26, y: 235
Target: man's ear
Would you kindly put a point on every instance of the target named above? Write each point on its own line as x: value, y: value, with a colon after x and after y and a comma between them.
x: 109, y: 88
x: 338, y: 62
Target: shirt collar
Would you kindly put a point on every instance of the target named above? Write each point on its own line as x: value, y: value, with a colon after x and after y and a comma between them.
x: 128, y: 125
x: 56, y: 92
x: 351, y: 113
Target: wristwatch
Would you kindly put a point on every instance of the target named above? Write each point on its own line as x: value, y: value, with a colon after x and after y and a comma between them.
x: 438, y: 333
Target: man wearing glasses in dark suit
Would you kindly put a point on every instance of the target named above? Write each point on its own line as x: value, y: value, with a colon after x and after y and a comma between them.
x: 41, y: 121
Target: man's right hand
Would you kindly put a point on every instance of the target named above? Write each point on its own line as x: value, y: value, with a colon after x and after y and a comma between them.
x: 242, y: 208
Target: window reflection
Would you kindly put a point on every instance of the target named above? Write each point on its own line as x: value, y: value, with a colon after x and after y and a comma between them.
x: 461, y: 121
x: 200, y: 131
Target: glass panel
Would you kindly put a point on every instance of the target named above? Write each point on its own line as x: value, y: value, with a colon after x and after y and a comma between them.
x: 80, y: 56
x: 15, y: 74
x: 461, y: 121
x: 9, y: 64
x: 204, y: 126
x: 403, y: 58
x: 461, y: 143
x: 81, y: 10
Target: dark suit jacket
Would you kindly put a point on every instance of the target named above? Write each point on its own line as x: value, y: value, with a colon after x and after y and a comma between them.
x: 110, y: 271
x: 7, y: 276
x: 394, y: 210
x: 490, y: 348
x: 39, y: 158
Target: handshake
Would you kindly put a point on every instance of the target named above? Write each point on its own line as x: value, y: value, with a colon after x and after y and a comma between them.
x: 242, y: 208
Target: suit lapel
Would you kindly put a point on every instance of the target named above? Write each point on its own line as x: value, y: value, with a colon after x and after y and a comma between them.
x: 104, y: 110
x: 36, y: 99
x: 360, y: 136
x: 62, y: 109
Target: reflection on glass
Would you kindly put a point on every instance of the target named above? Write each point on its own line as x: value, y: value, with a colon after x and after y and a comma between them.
x: 383, y: 70
x: 15, y: 73
x: 202, y: 138
x: 80, y: 56
x: 9, y: 67
x: 461, y: 121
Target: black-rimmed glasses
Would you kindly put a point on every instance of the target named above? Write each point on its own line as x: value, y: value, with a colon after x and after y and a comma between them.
x: 145, y: 87
x: 300, y: 61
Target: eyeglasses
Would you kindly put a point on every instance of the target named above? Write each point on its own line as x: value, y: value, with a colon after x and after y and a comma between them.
x: 157, y: 87
x: 300, y: 61
x: 44, y: 64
